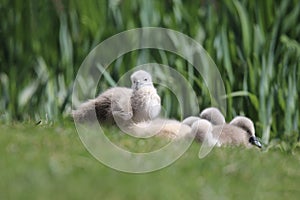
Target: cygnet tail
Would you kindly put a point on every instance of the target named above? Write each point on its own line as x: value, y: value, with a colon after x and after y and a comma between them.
x: 86, y: 112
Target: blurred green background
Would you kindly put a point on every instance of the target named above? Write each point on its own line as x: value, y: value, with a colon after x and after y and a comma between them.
x: 255, y: 45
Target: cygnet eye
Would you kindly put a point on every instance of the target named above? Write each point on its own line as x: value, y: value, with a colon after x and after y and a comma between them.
x: 134, y: 81
x: 145, y: 79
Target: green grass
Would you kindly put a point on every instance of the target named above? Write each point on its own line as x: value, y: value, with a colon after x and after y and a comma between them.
x: 255, y: 44
x: 50, y: 162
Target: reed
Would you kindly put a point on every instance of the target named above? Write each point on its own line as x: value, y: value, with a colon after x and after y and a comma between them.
x: 255, y: 45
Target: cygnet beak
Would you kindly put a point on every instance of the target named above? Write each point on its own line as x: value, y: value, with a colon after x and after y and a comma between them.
x: 254, y: 141
x: 139, y: 84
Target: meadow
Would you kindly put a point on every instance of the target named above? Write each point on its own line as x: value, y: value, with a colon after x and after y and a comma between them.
x: 50, y: 162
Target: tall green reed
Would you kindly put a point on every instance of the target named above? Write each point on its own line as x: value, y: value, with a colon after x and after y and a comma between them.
x: 255, y: 45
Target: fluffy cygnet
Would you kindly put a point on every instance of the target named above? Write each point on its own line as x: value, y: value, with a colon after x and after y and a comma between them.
x: 240, y: 131
x: 145, y: 101
x: 140, y: 103
x: 212, y: 114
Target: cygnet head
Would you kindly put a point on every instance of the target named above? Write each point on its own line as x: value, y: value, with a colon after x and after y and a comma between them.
x: 201, y: 128
x: 247, y: 125
x: 190, y: 120
x: 213, y: 115
x: 140, y: 79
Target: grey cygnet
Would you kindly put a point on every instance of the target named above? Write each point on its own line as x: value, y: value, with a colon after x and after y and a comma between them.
x: 211, y: 114
x: 211, y: 125
x: 240, y: 131
x: 140, y: 103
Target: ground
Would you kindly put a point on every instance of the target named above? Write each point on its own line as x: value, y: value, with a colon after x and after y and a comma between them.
x: 50, y: 162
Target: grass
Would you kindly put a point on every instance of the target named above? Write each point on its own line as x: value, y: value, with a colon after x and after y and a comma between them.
x: 50, y: 162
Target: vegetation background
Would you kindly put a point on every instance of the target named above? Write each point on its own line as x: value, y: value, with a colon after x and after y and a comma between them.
x: 255, y: 44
